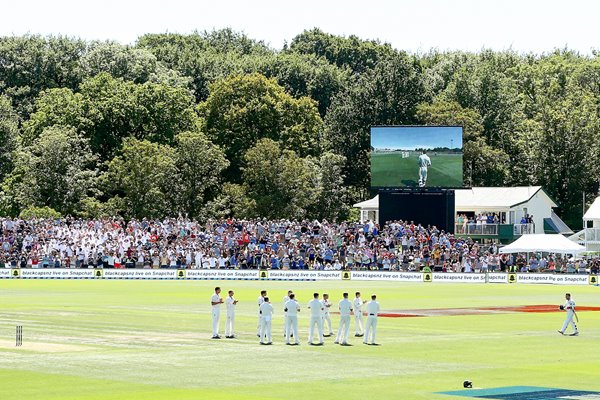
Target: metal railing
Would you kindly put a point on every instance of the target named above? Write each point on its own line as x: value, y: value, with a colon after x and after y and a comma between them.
x: 522, y: 229
x: 474, y: 229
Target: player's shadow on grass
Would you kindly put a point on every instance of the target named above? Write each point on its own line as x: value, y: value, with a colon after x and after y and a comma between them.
x: 410, y: 183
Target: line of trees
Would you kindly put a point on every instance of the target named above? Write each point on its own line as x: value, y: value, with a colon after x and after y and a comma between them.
x: 216, y: 123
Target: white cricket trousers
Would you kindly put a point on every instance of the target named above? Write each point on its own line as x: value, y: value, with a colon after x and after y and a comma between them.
x: 265, y: 330
x: 344, y: 328
x: 216, y: 316
x: 259, y: 326
x: 422, y: 175
x: 327, y: 320
x: 229, y: 324
x: 285, y: 324
x: 291, y: 323
x: 318, y: 321
x: 358, y: 323
x: 569, y: 320
x: 370, y: 329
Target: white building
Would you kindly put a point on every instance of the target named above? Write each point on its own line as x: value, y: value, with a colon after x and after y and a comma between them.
x: 369, y: 209
x: 510, y: 203
x: 590, y: 235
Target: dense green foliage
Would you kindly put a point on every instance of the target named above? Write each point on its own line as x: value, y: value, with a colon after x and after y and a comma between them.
x: 9, y: 132
x: 57, y: 170
x: 244, y: 109
x: 216, y: 123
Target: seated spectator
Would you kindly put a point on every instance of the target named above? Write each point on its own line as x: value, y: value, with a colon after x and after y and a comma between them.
x: 582, y: 267
x: 543, y: 264
x: 337, y: 265
x: 533, y: 264
x: 386, y: 263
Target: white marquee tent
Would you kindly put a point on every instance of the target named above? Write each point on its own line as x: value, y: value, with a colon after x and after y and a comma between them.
x: 544, y: 243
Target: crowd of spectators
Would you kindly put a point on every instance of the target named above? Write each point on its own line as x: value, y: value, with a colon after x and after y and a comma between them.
x: 253, y: 244
x: 485, y: 223
x: 479, y: 219
x: 477, y: 224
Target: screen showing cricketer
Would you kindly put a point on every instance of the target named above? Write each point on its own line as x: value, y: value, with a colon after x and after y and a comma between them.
x: 416, y: 156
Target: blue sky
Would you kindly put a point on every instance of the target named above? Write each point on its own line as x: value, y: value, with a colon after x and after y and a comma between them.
x: 411, y: 25
x: 410, y: 138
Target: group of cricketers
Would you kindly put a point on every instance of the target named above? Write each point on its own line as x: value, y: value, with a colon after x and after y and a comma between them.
x: 320, y: 318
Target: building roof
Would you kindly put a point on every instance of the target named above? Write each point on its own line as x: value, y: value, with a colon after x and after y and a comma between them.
x: 371, y: 203
x: 491, y: 198
x: 594, y: 211
x: 488, y: 198
x: 556, y: 225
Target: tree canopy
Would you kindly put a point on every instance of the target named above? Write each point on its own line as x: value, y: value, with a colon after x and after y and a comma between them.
x: 107, y: 110
x: 218, y: 123
x: 241, y: 110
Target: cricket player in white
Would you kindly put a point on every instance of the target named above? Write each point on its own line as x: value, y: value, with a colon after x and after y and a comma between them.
x: 371, y: 326
x: 569, y: 307
x: 291, y: 309
x: 216, y: 302
x: 358, y: 315
x: 230, y: 304
x: 316, y: 318
x: 345, y: 306
x: 326, y: 317
x: 261, y: 299
x: 266, y: 312
x: 286, y: 298
x: 424, y: 163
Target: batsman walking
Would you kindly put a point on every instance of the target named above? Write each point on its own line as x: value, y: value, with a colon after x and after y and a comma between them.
x: 569, y: 307
x: 424, y: 163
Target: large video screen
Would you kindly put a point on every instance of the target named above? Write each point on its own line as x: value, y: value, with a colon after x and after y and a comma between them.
x: 416, y: 156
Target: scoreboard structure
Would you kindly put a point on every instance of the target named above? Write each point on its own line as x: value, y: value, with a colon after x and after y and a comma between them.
x: 425, y: 207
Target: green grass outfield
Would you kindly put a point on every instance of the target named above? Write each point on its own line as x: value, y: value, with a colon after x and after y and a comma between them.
x: 151, y: 340
x: 391, y: 170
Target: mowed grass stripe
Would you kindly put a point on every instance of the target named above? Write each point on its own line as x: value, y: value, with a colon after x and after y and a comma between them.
x: 167, y: 353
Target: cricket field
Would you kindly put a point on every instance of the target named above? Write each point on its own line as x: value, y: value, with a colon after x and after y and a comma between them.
x: 391, y: 170
x: 104, y: 339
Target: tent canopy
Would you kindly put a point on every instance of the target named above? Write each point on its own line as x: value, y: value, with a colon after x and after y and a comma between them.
x: 545, y: 243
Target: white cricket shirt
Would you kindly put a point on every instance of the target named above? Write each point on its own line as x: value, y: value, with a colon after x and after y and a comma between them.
x: 229, y: 302
x: 325, y: 304
x: 570, y: 305
x: 372, y: 308
x: 215, y: 299
x: 316, y: 307
x: 358, y: 303
x: 292, y: 308
x: 345, y: 307
x: 266, y: 310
